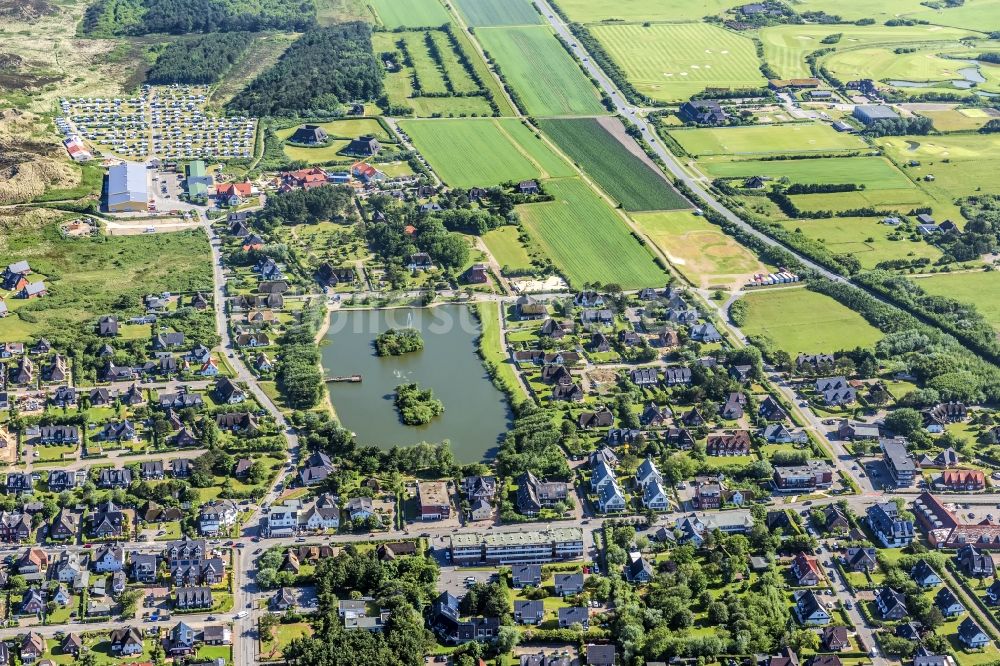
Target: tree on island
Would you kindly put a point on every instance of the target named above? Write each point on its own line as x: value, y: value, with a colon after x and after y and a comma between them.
x: 398, y: 341
x: 417, y: 406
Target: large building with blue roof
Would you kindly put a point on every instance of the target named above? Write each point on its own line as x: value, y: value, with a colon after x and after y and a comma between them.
x: 127, y: 188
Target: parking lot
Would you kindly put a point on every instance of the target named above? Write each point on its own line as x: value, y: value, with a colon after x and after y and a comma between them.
x: 457, y: 580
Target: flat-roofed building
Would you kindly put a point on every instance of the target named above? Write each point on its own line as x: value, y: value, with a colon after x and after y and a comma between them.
x: 536, y: 547
x: 127, y: 188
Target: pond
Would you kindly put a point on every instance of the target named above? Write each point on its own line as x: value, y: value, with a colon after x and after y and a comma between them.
x: 476, y: 413
x: 971, y: 76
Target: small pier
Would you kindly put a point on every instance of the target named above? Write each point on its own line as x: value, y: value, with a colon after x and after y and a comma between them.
x: 353, y: 379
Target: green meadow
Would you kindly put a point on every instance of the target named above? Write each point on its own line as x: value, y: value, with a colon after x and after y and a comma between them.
x: 875, y: 173
x: 455, y: 148
x: 483, y: 13
x: 409, y: 14
x: 864, y: 237
x: 981, y: 288
x: 587, y: 240
x: 765, y: 139
x: 547, y: 79
x: 798, y: 320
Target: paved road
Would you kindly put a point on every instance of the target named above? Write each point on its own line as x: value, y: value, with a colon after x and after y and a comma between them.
x: 243, y: 629
x: 635, y: 116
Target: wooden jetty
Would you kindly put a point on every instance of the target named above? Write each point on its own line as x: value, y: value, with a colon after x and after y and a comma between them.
x: 354, y: 379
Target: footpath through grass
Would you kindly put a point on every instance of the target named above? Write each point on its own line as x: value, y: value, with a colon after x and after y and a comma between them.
x: 623, y: 175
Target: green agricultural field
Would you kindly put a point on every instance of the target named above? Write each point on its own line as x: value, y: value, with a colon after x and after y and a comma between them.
x: 672, y: 62
x: 801, y: 321
x: 556, y: 88
x: 483, y: 13
x: 875, y: 173
x: 594, y: 11
x: 764, y: 139
x: 864, y: 237
x: 631, y: 180
x: 698, y: 249
x: 928, y: 64
x: 981, y: 288
x: 89, y: 277
x: 981, y: 15
x: 587, y: 240
x: 410, y: 14
x: 786, y: 46
x: 456, y: 150
x: 507, y: 249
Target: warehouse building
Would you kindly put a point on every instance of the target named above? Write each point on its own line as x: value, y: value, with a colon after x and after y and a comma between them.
x: 127, y: 189
x: 870, y: 113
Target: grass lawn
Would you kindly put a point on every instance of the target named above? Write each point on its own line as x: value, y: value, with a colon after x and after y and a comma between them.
x: 410, y: 14
x: 319, y: 154
x: 491, y: 349
x: 875, y: 173
x: 346, y: 129
x: 725, y: 461
x: 455, y: 149
x: 864, y: 237
x: 54, y: 453
x: 979, y: 288
x: 958, y: 120
x: 482, y: 13
x: 972, y: 15
x: 548, y: 81
x: 213, y: 652
x: 597, y: 146
x: 798, y: 320
x: 586, y: 239
x: 586, y: 11
x: 171, y: 531
x: 86, y: 277
x: 762, y: 139
x: 430, y: 76
x: 927, y: 64
x: 697, y: 248
x: 505, y: 247
x: 283, y: 635
x: 673, y: 61
x: 786, y: 46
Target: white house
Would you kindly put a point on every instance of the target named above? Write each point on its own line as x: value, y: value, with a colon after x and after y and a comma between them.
x: 655, y: 497
x: 610, y: 498
x: 217, y: 516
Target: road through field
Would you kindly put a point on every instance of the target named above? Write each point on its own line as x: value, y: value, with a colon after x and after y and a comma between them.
x: 627, y: 111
